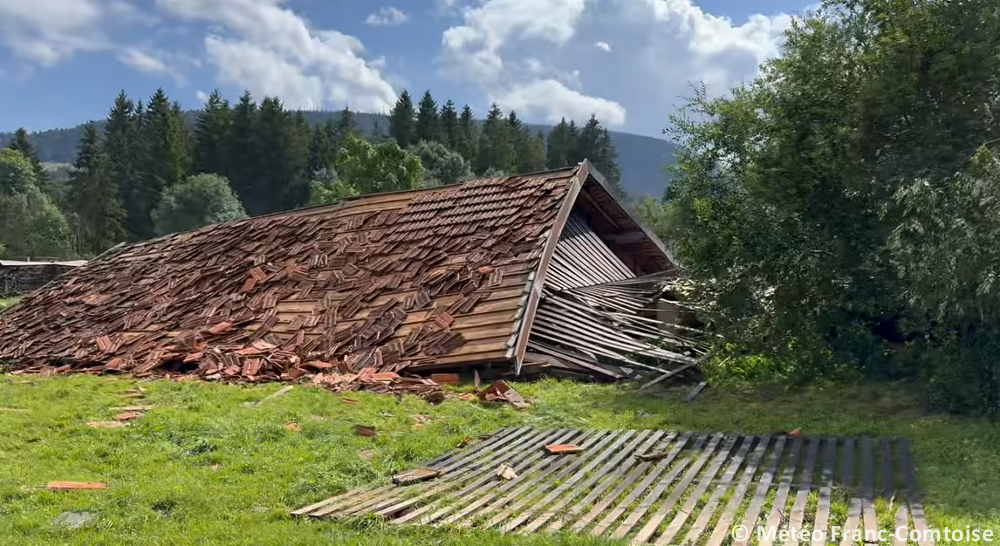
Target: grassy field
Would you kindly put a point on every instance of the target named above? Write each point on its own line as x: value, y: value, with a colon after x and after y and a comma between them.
x: 7, y: 302
x: 202, y: 468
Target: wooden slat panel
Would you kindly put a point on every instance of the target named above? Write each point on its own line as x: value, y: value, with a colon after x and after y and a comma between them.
x: 631, y: 482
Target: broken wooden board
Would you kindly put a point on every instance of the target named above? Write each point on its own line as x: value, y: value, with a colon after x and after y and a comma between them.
x: 76, y: 486
x: 612, y: 493
x: 414, y: 476
x: 561, y: 449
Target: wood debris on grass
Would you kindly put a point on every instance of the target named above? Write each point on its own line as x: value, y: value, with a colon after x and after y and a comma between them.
x: 563, y: 449
x: 76, y: 486
x: 280, y: 392
x: 293, y: 427
x: 506, y: 472
x: 106, y: 424
x: 502, y: 392
x: 364, y: 430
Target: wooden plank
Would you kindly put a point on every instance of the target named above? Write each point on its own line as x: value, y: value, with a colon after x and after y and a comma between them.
x: 913, y: 494
x: 781, y: 497
x: 607, y: 477
x: 633, y: 519
x: 497, y: 438
x: 706, y: 481
x: 757, y: 501
x: 798, y: 513
x: 661, y: 513
x: 888, y: 485
x: 560, y: 491
x: 723, y: 527
x: 454, y: 471
x: 854, y: 506
x: 571, y: 464
x: 553, y: 467
x: 509, y: 456
x: 707, y: 511
x: 822, y: 519
x: 483, y: 484
x: 902, y: 528
x: 535, y: 295
x: 623, y: 485
x: 695, y: 391
x: 668, y: 375
x: 658, y: 469
x: 868, y: 518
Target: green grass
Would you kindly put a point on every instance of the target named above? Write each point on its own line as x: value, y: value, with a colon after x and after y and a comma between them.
x: 7, y: 302
x: 202, y: 468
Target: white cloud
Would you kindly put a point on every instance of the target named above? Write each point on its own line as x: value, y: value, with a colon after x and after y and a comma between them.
x: 49, y: 31
x: 387, y: 17
x: 201, y: 96
x: 551, y: 100
x: 271, y: 50
x: 153, y: 62
x: 670, y: 44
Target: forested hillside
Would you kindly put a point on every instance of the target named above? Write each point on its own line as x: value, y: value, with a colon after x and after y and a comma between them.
x: 640, y: 158
x: 151, y: 169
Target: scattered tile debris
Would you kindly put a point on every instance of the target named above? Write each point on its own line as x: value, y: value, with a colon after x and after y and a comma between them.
x: 128, y: 416
x: 502, y: 392
x: 360, y: 294
x: 76, y: 486
x: 293, y: 427
x: 133, y: 408
x: 560, y: 449
x: 445, y: 378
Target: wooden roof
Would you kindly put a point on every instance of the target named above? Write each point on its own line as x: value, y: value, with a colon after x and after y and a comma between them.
x: 420, y: 279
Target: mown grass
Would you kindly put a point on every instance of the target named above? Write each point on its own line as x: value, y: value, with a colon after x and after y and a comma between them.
x: 202, y: 468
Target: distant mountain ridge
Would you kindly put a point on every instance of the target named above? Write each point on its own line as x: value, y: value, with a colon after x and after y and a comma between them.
x: 641, y: 158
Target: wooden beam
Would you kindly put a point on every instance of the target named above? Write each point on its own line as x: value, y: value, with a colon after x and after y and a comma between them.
x: 535, y: 294
x: 628, y: 237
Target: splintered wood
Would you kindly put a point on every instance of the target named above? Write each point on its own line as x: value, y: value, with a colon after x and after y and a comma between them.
x: 411, y: 281
x: 609, y: 489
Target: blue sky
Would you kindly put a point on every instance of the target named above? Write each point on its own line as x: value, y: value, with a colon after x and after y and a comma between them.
x: 628, y: 61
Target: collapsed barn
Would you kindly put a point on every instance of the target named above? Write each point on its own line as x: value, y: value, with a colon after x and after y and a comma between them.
x: 545, y: 272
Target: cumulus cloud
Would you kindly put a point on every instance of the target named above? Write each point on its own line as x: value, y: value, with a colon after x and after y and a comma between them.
x: 152, y: 61
x: 271, y: 50
x: 50, y: 31
x: 672, y: 44
x: 387, y: 17
x: 551, y: 100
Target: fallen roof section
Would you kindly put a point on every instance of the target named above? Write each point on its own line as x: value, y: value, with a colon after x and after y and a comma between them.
x: 649, y: 486
x: 419, y: 280
x: 426, y: 278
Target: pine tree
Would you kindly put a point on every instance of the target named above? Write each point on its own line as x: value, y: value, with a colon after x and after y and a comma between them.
x: 496, y: 143
x: 125, y: 149
x: 211, y: 136
x: 428, y: 126
x: 21, y: 142
x: 94, y: 198
x: 167, y: 159
x: 321, y: 149
x: 281, y: 178
x: 467, y: 136
x: 402, y: 121
x: 241, y: 149
x: 594, y: 144
x: 449, y: 125
x: 345, y: 125
x: 560, y: 148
